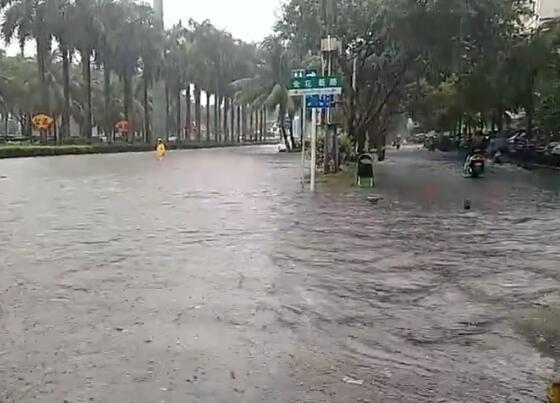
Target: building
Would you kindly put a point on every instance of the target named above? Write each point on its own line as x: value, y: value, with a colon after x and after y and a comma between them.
x: 547, y: 10
x: 158, y: 9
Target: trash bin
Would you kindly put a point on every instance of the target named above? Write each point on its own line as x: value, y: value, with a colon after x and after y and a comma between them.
x: 365, y: 170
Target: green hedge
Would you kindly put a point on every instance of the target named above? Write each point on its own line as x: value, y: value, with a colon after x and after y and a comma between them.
x: 37, y: 151
x: 18, y: 151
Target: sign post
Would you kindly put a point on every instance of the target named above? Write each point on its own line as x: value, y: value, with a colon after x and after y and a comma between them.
x: 318, y: 93
x: 313, y: 147
x: 303, y: 129
x: 303, y: 73
x: 42, y: 122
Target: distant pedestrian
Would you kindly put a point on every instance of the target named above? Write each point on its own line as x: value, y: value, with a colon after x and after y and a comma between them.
x: 161, y: 150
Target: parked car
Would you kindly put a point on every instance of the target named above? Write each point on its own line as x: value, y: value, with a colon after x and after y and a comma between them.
x: 552, y: 148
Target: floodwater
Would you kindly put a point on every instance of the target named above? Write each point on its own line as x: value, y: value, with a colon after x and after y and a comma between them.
x: 211, y: 277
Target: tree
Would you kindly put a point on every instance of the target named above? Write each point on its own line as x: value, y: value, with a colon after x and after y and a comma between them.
x: 110, y: 15
x: 27, y: 20
x: 269, y: 85
x: 85, y: 15
x: 128, y: 51
x: 390, y: 46
x: 152, y: 59
x: 58, y: 19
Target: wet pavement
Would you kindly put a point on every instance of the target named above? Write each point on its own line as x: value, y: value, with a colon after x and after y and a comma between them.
x: 211, y: 277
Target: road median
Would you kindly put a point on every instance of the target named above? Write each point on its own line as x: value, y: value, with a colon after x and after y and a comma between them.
x: 23, y: 151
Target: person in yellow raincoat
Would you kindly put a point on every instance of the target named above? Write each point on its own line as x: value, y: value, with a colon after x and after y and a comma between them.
x: 161, y: 150
x: 553, y: 392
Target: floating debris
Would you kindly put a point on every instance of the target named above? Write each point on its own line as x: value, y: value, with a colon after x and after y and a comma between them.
x: 352, y: 381
x: 374, y: 199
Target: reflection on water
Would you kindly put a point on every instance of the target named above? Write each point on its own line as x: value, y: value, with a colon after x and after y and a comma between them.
x: 221, y: 262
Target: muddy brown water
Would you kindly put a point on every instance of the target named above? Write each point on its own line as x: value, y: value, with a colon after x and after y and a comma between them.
x: 210, y: 277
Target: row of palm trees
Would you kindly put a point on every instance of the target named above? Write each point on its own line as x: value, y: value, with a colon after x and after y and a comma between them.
x: 101, y: 61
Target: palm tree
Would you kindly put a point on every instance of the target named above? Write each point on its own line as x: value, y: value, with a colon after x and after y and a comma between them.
x: 27, y: 20
x: 110, y: 15
x: 58, y: 19
x: 268, y: 86
x: 177, y: 70
x: 201, y: 68
x: 85, y: 15
x: 129, y: 48
x: 197, y: 111
x: 152, y: 59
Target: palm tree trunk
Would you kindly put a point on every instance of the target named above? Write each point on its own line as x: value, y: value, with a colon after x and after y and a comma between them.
x: 251, y: 125
x: 216, y: 117
x: 55, y: 130
x: 178, y: 122
x: 126, y: 104
x: 197, y: 112
x: 281, y: 115
x: 208, y: 117
x: 244, y: 122
x: 29, y: 127
x: 292, y: 139
x: 259, y: 123
x: 167, y: 110
x: 226, y: 106
x: 188, y: 113
x: 232, y: 123
x: 147, y: 129
x: 86, y: 73
x: 65, y: 129
x: 239, y: 123
x: 42, y: 67
x: 107, y: 102
x: 263, y: 124
x: 6, y: 121
x: 257, y: 127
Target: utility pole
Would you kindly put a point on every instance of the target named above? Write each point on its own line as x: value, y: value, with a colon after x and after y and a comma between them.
x: 329, y: 47
x: 158, y: 10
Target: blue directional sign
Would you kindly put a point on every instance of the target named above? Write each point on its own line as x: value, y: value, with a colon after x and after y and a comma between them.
x: 320, y: 101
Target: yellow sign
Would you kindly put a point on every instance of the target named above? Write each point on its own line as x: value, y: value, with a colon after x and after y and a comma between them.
x: 42, y: 121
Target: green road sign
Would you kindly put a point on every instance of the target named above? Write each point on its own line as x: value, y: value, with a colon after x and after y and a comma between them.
x: 319, y: 85
x: 298, y: 83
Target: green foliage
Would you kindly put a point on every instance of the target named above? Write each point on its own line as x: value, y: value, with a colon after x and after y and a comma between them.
x: 122, y: 51
x: 268, y: 86
x: 450, y: 64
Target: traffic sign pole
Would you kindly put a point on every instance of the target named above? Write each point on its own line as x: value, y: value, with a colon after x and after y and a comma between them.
x: 303, y: 127
x: 323, y: 88
x: 313, y: 147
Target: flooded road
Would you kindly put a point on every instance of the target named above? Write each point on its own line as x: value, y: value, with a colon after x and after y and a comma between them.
x: 211, y: 277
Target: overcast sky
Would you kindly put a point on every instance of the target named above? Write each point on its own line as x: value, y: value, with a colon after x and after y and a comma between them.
x: 250, y: 20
